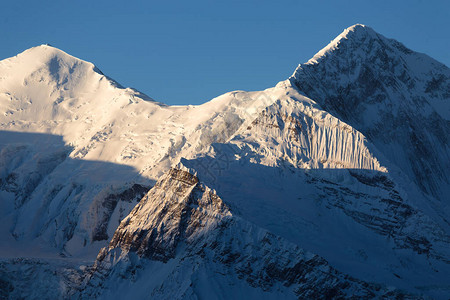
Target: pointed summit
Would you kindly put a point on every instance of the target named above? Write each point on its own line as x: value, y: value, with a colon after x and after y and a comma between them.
x: 379, y: 86
x: 356, y: 34
x: 360, y: 48
x: 359, y: 29
x: 46, y: 55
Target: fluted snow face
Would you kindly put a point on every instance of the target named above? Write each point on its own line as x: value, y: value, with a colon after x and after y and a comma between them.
x: 295, y: 129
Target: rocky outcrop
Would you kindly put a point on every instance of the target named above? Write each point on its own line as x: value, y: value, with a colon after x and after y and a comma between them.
x: 184, y: 224
x: 109, y: 204
x: 36, y: 279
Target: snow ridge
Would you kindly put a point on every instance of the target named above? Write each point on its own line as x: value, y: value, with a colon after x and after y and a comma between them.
x: 357, y: 32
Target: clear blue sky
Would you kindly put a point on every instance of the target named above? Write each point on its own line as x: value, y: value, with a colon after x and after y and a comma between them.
x: 188, y: 52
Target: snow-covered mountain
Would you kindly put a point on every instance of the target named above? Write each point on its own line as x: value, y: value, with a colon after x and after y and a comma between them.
x: 79, y: 140
x: 397, y: 98
x: 333, y: 183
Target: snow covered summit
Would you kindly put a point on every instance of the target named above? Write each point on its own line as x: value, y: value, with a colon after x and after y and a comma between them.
x: 396, y: 97
x: 354, y: 34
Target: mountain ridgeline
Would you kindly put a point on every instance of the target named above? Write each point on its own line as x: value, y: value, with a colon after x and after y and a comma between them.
x: 332, y: 184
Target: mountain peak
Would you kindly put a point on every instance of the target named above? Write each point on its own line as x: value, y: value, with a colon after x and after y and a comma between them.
x: 49, y: 58
x: 358, y: 27
x: 355, y: 34
x: 46, y: 52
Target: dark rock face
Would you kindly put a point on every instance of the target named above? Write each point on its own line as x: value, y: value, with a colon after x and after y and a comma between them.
x: 34, y: 279
x: 132, y: 194
x: 157, y: 236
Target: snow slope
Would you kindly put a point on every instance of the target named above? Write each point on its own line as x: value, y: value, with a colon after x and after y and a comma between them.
x: 105, y: 139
